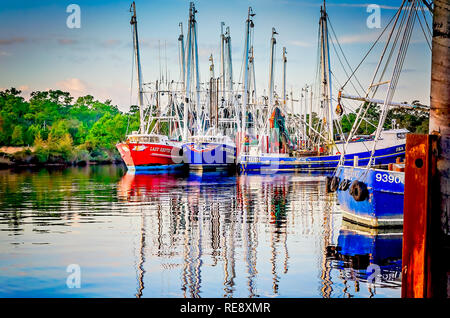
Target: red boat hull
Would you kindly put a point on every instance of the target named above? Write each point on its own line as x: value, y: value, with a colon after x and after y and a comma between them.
x: 148, y: 154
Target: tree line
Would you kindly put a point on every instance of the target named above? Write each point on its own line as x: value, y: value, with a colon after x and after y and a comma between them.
x: 61, y: 129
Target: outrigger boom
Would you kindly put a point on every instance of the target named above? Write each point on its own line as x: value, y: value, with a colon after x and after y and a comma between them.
x: 380, y: 101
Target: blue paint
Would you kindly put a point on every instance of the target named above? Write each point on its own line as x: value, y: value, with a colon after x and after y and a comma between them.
x: 386, y: 191
x: 209, y: 154
x: 383, y: 250
x: 382, y: 156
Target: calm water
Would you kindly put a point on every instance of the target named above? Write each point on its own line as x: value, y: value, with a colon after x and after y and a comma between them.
x: 210, y: 235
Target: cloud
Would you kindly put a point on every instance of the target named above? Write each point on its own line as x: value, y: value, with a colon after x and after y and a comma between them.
x: 365, y: 5
x: 12, y: 41
x: 372, y: 36
x: 67, y: 41
x: 207, y: 51
x: 110, y: 43
x: 299, y: 43
x: 4, y: 53
x: 369, y: 37
x: 154, y: 43
x: 72, y: 85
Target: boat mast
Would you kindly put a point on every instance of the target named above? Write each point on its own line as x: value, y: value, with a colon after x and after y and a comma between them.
x: 187, y: 80
x: 249, y: 24
x: 326, y: 73
x: 197, y: 73
x: 284, y: 76
x: 310, y: 114
x: 222, y: 59
x: 211, y: 67
x: 181, y: 55
x: 252, y: 81
x: 229, y: 62
x: 273, y: 43
x: 133, y: 22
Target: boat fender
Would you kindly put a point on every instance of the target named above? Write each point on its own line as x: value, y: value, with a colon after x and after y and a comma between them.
x: 358, y: 190
x: 327, y: 184
x: 334, y: 184
x: 344, y: 185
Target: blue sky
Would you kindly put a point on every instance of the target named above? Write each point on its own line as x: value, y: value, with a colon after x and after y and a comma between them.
x: 38, y: 51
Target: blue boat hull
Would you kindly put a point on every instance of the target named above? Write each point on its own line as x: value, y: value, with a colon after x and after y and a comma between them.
x: 384, y: 203
x: 266, y: 163
x: 209, y: 155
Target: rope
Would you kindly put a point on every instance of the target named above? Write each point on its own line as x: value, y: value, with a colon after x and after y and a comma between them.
x: 345, y: 58
x: 370, y: 49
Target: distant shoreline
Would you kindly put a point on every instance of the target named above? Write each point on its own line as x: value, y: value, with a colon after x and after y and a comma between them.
x: 13, y: 157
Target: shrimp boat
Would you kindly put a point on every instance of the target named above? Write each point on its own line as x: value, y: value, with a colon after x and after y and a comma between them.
x: 210, y: 152
x: 358, y: 153
x: 205, y: 144
x: 143, y: 150
x: 373, y: 196
x: 317, y: 148
x: 150, y: 152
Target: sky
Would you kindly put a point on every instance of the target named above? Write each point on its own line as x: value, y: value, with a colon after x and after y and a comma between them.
x: 39, y: 52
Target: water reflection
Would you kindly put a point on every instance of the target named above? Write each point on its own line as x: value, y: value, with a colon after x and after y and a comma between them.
x: 358, y: 248
x: 222, y: 220
x: 177, y: 235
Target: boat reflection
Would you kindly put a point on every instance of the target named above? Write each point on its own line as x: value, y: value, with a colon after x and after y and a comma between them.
x: 360, y: 247
x: 198, y: 227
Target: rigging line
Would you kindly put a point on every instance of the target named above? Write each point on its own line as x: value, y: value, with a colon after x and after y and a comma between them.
x: 345, y: 71
x: 397, y: 71
x: 424, y: 34
x: 361, y: 114
x: 391, y: 53
x: 342, y: 51
x: 373, y: 45
x: 422, y: 9
x: 423, y: 30
x: 316, y: 77
x: 348, y: 118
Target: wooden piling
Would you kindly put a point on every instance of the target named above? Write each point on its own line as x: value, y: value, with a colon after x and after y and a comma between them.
x: 426, y: 227
x: 417, y: 225
x: 440, y: 126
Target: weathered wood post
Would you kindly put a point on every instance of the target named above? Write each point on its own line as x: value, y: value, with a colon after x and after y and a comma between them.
x: 418, y: 239
x: 440, y: 103
x: 426, y: 231
x: 440, y: 126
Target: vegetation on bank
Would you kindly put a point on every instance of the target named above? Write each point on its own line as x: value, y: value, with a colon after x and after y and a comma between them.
x: 60, y: 129
x: 415, y: 120
x: 54, y: 128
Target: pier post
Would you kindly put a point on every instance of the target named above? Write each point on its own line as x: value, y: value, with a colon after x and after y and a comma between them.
x: 440, y: 126
x: 420, y: 244
x: 426, y: 227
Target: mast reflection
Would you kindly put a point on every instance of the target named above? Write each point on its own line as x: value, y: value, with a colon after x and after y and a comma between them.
x: 192, y: 223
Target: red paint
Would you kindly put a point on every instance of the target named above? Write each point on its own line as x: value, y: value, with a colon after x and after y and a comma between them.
x: 144, y: 154
x: 422, y: 251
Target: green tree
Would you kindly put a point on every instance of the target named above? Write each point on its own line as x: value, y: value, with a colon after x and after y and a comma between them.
x: 17, y: 136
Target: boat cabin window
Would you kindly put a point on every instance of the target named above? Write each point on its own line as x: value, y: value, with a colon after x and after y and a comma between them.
x: 401, y: 135
x: 143, y: 139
